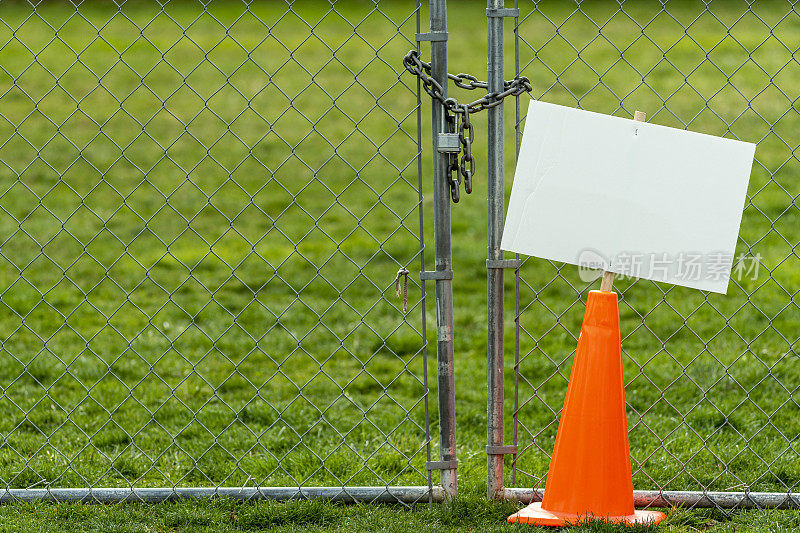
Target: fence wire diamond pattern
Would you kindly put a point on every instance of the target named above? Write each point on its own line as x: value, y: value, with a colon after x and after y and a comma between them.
x: 202, y: 209
x: 711, y: 380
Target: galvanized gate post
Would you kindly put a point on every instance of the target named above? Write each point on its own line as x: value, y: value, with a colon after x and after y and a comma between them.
x: 495, y: 263
x: 443, y: 276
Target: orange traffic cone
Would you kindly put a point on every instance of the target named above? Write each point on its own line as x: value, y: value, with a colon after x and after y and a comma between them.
x: 590, y: 471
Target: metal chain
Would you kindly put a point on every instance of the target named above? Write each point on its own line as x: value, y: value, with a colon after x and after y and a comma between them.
x: 422, y: 69
x: 452, y: 168
x: 465, y: 134
x: 466, y: 166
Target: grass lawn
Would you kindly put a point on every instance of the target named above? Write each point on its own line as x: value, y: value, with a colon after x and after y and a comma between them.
x: 470, y: 513
x: 202, y: 213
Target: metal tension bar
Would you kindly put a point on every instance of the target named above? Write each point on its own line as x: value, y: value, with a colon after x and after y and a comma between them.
x: 503, y: 263
x: 436, y: 275
x: 501, y: 450
x: 442, y: 465
x: 502, y: 12
x: 432, y: 36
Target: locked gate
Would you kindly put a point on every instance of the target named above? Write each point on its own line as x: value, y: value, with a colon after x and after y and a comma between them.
x: 710, y: 379
x: 203, y: 211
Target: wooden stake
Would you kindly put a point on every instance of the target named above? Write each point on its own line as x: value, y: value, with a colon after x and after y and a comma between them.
x: 608, y: 277
x: 608, y: 281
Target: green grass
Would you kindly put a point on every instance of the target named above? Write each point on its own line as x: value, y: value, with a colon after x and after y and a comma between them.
x: 199, y: 234
x: 469, y: 513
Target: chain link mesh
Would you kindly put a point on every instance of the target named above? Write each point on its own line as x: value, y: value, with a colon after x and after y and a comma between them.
x: 711, y: 380
x: 203, y: 207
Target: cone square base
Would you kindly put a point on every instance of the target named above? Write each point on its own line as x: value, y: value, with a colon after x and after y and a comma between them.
x: 535, y: 515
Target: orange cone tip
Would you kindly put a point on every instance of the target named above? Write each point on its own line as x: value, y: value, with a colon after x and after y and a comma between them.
x: 590, y: 469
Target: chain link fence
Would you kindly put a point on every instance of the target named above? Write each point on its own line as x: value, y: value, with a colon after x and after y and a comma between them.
x: 711, y: 380
x: 203, y: 209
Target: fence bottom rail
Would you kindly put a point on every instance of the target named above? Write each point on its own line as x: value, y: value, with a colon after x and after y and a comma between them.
x: 399, y: 494
x: 693, y: 499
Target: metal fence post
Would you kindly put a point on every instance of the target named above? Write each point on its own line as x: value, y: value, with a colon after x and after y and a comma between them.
x: 495, y: 191
x: 443, y: 259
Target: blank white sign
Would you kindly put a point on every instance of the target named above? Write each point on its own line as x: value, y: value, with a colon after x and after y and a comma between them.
x: 634, y: 198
